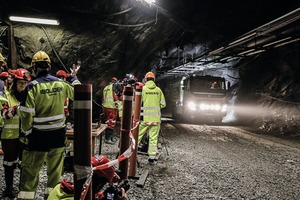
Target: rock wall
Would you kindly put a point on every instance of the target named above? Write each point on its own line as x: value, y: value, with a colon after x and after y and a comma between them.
x: 268, y: 93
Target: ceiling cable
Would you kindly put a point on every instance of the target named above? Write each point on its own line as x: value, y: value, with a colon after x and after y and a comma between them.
x: 53, y: 49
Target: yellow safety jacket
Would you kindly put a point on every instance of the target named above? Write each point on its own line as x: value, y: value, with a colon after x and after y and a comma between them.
x: 108, y: 97
x: 11, y: 123
x: 153, y: 100
x: 43, y: 108
x: 120, y: 108
x: 2, y: 101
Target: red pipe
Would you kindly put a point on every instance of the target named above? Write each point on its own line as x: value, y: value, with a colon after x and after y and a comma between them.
x: 125, y: 129
x: 82, y: 138
x: 135, y: 131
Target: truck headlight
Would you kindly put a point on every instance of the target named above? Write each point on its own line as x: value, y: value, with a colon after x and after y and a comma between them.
x: 216, y: 107
x: 204, y: 106
x: 192, y: 105
x: 224, y: 108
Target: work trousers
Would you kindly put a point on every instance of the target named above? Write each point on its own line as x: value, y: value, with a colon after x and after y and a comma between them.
x: 32, y: 163
x: 12, y: 154
x: 12, y: 149
x: 110, y: 115
x: 153, y: 131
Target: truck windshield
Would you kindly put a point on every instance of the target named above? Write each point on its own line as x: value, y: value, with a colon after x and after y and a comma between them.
x: 207, y: 85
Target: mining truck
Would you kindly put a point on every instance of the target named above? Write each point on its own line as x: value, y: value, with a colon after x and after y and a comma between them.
x: 199, y: 98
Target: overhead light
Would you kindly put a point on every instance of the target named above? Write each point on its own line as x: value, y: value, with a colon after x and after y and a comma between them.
x: 255, y: 52
x: 244, y: 52
x: 287, y: 42
x: 226, y: 58
x: 34, y: 20
x: 243, y: 38
x: 230, y: 59
x: 150, y: 1
x: 216, y: 51
x: 278, y: 41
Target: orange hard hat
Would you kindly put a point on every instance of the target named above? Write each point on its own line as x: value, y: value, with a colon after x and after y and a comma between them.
x: 150, y: 75
x: 62, y: 73
x: 22, y: 74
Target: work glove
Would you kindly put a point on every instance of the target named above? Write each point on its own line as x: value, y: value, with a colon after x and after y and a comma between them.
x: 74, y: 70
x: 10, y: 112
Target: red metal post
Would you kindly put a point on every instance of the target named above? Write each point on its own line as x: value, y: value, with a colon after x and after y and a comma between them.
x: 135, y: 131
x: 82, y: 138
x: 125, y: 129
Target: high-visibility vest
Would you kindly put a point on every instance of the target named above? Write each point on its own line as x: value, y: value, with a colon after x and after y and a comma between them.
x: 120, y: 108
x: 152, y: 101
x: 11, y: 125
x: 108, y: 98
x: 48, y: 114
x: 2, y: 101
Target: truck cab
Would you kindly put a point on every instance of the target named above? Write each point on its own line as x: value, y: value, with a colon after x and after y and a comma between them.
x: 200, y: 98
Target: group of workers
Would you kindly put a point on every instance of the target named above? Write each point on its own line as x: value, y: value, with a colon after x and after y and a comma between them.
x: 34, y: 107
x: 153, y: 101
x: 33, y: 124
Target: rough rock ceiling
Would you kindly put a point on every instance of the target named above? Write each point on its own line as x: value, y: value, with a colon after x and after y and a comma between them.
x: 161, y: 37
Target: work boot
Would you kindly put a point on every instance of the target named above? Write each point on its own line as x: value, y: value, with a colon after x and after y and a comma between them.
x: 109, y: 141
x: 108, y: 133
x: 152, y: 161
x: 9, y: 177
x: 9, y: 192
x: 108, y: 136
x: 113, y: 139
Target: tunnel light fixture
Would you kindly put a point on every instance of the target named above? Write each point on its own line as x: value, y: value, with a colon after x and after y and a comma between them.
x: 216, y: 51
x: 244, y: 52
x: 242, y: 39
x: 255, y: 52
x: 150, y: 1
x: 226, y: 58
x: 34, y: 20
x: 278, y: 41
x: 287, y: 42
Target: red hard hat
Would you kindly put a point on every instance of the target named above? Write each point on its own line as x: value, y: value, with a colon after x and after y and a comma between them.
x: 4, y: 74
x: 108, y: 173
x: 12, y: 71
x: 22, y: 74
x: 114, y: 79
x: 62, y: 73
